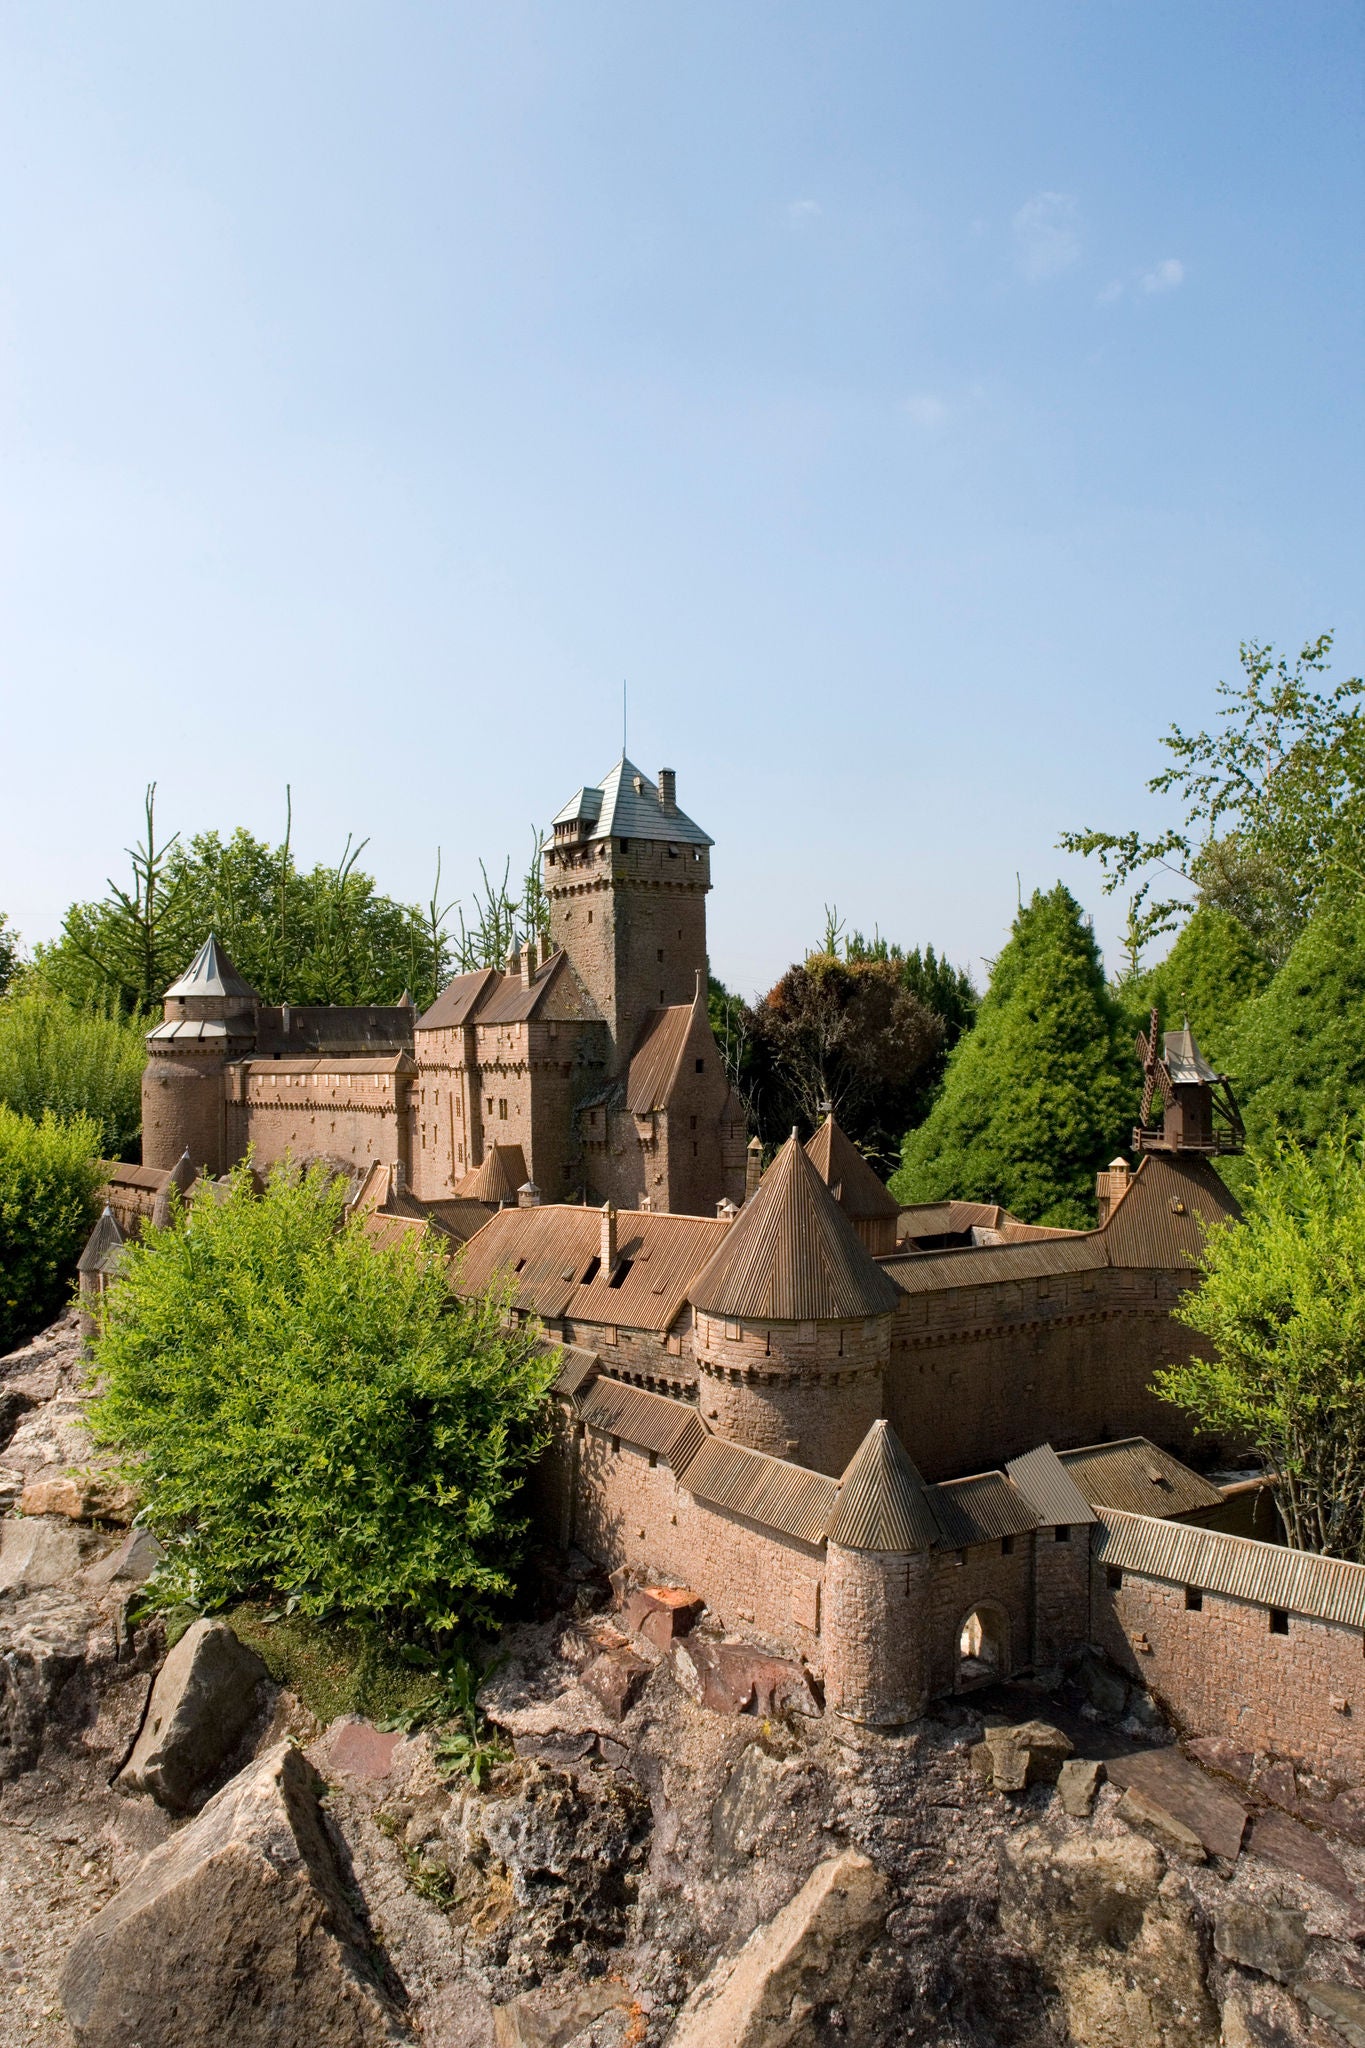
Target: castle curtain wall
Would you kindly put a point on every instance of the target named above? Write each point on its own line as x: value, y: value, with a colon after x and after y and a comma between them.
x: 279, y: 1109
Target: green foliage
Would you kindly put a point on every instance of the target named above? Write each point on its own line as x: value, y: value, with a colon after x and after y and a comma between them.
x: 311, y: 1415
x: 75, y: 1062
x: 9, y: 953
x: 333, y: 1667
x: 944, y: 990
x: 324, y: 934
x: 49, y: 1177
x: 1273, y: 806
x: 1299, y: 1049
x: 1281, y: 1302
x: 1211, y: 972
x: 1037, y: 1097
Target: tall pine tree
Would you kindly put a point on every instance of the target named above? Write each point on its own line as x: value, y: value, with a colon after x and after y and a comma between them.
x: 1298, y: 1053
x: 1040, y: 1094
x: 1211, y: 972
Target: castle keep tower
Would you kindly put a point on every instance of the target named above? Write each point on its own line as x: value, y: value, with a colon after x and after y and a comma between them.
x: 626, y: 873
x: 793, y: 1323
x: 210, y: 1019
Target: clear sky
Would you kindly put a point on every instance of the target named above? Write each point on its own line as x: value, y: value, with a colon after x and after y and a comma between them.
x: 916, y: 403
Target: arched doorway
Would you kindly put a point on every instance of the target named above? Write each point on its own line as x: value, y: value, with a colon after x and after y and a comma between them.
x: 983, y: 1646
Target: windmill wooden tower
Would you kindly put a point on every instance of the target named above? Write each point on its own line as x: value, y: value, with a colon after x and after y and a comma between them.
x: 1201, y: 1113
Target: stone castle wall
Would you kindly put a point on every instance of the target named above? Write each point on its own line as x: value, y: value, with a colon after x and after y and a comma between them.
x: 805, y: 1391
x: 633, y: 922
x: 279, y: 1108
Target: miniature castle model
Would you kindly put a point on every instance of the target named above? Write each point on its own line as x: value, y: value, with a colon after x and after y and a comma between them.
x: 586, y: 1069
x: 770, y: 1385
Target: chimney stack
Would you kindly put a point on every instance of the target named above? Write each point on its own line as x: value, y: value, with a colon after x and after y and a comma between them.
x: 528, y: 961
x: 726, y: 1210
x: 753, y: 1167
x: 668, y: 790
x: 608, y: 1251
x: 528, y: 1195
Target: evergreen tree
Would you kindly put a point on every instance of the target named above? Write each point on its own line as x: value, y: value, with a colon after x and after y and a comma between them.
x: 1037, y: 1097
x: 1299, y: 1050
x: 1213, y: 969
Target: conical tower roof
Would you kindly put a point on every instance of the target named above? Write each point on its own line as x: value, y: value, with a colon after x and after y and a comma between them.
x: 1184, y: 1061
x: 847, y: 1175
x: 792, y: 1255
x: 884, y: 1504
x: 503, y: 1171
x: 211, y: 973
x: 104, y: 1247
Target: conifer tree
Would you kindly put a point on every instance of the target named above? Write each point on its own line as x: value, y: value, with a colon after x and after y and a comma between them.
x: 1211, y: 972
x: 1037, y: 1097
x: 1298, y: 1053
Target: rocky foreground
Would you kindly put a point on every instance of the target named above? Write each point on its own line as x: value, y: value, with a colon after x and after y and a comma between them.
x: 678, y: 1847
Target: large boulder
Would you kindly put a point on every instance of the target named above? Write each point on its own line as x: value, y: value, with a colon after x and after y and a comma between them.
x: 237, y: 1931
x: 735, y: 1678
x: 1029, y: 1753
x: 207, y: 1693
x: 770, y: 1994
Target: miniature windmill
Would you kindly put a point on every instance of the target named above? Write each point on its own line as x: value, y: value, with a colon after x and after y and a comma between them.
x: 1201, y: 1113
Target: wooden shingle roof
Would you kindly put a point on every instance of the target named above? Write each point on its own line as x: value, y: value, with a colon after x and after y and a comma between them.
x: 847, y: 1175
x: 1138, y: 1476
x: 772, y: 1491
x: 550, y: 1258
x: 792, y: 1255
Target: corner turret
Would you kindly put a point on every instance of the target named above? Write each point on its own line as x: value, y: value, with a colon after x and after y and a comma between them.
x: 210, y: 1018
x: 878, y: 1571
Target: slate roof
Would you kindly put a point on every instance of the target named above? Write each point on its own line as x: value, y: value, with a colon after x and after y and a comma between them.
x: 1324, y: 1588
x: 792, y: 1255
x: 1185, y: 1063
x: 616, y: 809
x: 104, y: 1247
x: 884, y: 1504
x: 211, y: 973
x: 847, y: 1175
x: 1139, y: 1477
x: 1044, y: 1482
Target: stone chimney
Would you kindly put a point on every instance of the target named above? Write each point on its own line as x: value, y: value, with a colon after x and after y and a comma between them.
x: 528, y: 961
x: 608, y: 1251
x: 1109, y: 1187
x: 528, y: 1195
x: 513, y: 967
x: 668, y: 790
x: 726, y: 1209
x: 753, y: 1167
x: 646, y: 1205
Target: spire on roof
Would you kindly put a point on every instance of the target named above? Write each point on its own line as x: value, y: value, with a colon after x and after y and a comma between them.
x: 211, y: 973
x: 792, y: 1255
x: 104, y: 1247
x: 182, y: 1176
x: 883, y: 1502
x: 847, y: 1175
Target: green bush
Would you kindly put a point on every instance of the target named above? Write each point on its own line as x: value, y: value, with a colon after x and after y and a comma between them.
x: 49, y: 1177
x: 311, y: 1415
x: 75, y: 1061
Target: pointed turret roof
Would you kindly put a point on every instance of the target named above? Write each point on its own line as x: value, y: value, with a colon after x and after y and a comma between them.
x: 211, y: 973
x: 847, y: 1175
x: 104, y: 1248
x: 503, y: 1171
x: 884, y: 1504
x: 1184, y: 1061
x: 626, y: 804
x: 792, y: 1255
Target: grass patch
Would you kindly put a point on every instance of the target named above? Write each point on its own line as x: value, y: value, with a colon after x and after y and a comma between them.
x: 332, y: 1668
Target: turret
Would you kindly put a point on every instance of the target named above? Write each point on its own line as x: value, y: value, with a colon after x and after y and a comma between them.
x: 878, y: 1572
x: 867, y: 1202
x: 210, y: 1018
x: 792, y: 1323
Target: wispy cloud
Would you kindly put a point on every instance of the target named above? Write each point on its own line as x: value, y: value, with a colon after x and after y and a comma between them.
x: 800, y: 212
x: 1047, y: 236
x: 1167, y: 276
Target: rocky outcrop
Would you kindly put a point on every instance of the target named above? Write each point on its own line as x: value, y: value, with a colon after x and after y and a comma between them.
x: 207, y: 1693
x: 238, y: 1930
x: 768, y: 1995
x: 1027, y: 1753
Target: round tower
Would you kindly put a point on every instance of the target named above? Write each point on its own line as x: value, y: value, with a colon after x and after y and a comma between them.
x: 877, y: 1605
x: 210, y: 1018
x: 792, y: 1323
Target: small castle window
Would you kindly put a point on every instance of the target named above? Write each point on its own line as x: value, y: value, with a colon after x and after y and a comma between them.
x: 502, y: 1107
x: 1194, y: 1600
x: 701, y: 1066
x: 661, y: 952
x: 1113, y: 1577
x: 1279, y: 1621
x: 732, y: 1332
x: 589, y: 917
x: 1007, y: 1546
x: 1062, y: 1533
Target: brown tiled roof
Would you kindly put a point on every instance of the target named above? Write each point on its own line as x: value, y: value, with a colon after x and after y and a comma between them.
x: 461, y: 1215
x: 652, y: 1422
x: 104, y: 1247
x: 1138, y: 1477
x: 383, y: 1228
x: 576, y: 1367
x: 458, y: 1001
x: 792, y: 1255
x: 981, y: 1509
x: 847, y: 1175
x: 771, y: 1491
x: 503, y: 1171
x: 657, y: 1057
x: 939, y: 1272
x: 118, y: 1174
x: 1325, y: 1588
x: 513, y: 1001
x: 1043, y: 1480
x: 340, y: 1030
x: 884, y: 1504
x: 545, y: 1252
x: 1161, y: 1219
x: 342, y: 1065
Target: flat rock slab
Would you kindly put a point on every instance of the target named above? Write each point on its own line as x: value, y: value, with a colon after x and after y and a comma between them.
x: 1141, y: 1811
x: 735, y: 1678
x: 34, y: 1554
x: 357, y: 1749
x: 132, y: 1564
x: 1341, y: 2005
x: 237, y: 1933
x: 553, y: 2016
x: 1270, y: 1939
x: 1278, y: 1838
x: 1188, y: 1794
x: 207, y: 1693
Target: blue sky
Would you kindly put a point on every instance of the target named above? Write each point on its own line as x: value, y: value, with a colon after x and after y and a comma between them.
x: 916, y: 404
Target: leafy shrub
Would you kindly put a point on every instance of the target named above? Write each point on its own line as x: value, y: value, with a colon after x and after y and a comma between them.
x: 75, y: 1061
x: 310, y: 1414
x: 48, y: 1181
